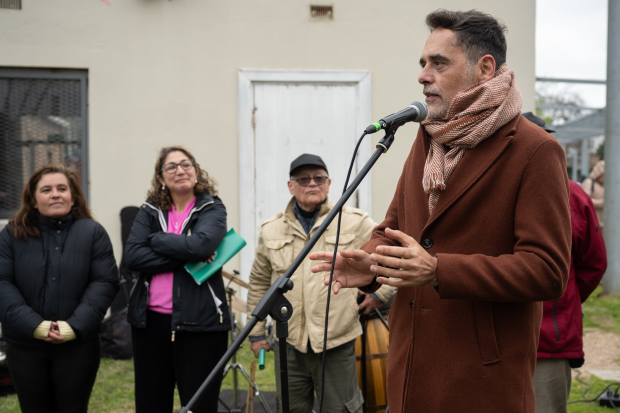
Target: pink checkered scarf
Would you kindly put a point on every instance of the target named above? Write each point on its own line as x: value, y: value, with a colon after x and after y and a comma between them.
x: 473, y: 115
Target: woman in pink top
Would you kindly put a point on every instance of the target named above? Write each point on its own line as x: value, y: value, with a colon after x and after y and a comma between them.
x: 179, y: 327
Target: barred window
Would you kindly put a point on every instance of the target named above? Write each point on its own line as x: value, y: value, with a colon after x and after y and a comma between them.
x: 43, y: 120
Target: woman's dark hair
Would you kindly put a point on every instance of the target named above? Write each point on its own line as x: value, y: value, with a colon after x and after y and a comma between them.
x: 162, y: 196
x: 25, y: 224
x: 477, y: 33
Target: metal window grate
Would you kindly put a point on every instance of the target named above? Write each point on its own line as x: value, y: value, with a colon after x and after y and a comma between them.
x: 42, y: 120
x: 321, y: 12
x: 11, y: 4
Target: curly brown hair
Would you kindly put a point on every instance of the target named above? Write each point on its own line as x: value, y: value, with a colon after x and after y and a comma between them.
x: 162, y: 196
x: 25, y: 223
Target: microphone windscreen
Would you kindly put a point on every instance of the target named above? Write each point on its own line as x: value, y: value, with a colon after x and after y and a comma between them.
x: 422, y: 108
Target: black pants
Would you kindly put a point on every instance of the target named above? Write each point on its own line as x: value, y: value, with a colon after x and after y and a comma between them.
x: 56, y: 379
x: 160, y: 363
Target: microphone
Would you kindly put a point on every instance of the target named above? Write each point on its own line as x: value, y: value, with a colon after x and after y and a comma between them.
x: 416, y: 112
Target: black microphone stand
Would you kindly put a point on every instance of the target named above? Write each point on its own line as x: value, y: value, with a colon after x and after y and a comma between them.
x: 274, y: 303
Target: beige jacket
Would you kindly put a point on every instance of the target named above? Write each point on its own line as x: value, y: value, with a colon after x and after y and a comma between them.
x: 281, y: 240
x: 593, y: 187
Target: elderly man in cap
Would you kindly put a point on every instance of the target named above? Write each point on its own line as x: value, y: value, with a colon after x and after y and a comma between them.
x: 281, y: 239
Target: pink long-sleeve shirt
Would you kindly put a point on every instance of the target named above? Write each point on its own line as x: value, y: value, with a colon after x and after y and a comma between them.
x: 160, y: 291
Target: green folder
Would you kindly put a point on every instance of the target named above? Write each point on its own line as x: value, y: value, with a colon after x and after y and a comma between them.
x: 229, y: 247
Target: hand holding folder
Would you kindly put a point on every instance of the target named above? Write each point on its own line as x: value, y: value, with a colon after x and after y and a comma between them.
x: 228, y: 248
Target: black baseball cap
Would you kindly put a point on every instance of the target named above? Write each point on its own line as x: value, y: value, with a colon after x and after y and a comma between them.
x: 307, y: 160
x: 537, y: 121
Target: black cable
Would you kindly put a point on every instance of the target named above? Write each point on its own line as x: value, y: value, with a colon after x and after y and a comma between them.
x: 583, y: 394
x: 382, y: 319
x: 331, y: 275
x: 588, y: 386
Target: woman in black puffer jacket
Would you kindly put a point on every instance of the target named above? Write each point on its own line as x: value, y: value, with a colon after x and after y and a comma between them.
x: 179, y: 328
x: 58, y: 276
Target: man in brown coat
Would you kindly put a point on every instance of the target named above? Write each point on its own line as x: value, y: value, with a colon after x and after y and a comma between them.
x: 476, y: 237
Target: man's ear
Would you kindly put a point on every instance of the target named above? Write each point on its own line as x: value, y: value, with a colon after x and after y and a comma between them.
x: 290, y: 187
x: 485, y: 69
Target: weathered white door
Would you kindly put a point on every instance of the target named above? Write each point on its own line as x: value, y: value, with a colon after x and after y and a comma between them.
x: 283, y: 114
x: 291, y: 119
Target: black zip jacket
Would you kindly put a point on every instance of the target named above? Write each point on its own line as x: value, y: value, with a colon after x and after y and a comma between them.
x: 151, y: 250
x: 68, y: 274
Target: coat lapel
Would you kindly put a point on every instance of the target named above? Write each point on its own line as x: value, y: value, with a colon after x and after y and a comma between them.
x: 475, y: 163
x: 418, y: 198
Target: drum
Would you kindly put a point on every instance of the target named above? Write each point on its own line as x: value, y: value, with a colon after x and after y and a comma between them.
x: 375, y: 354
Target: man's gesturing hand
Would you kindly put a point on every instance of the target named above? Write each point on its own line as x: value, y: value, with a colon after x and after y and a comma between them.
x: 410, y: 265
x: 352, y: 268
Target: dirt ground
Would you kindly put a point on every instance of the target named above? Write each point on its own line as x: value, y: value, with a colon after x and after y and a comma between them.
x: 602, y: 350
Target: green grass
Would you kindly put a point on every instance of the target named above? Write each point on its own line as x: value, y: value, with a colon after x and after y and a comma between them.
x: 577, y: 388
x: 114, y: 388
x: 265, y: 379
x: 8, y: 404
x: 602, y: 311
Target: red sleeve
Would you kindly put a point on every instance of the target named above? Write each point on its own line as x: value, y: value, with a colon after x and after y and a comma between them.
x: 589, y: 256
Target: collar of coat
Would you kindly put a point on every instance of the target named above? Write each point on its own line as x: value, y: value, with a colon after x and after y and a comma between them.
x: 55, y: 223
x: 202, y: 200
x: 289, y: 214
x: 474, y: 164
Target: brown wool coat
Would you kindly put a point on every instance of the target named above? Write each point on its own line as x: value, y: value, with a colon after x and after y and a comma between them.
x: 502, y: 236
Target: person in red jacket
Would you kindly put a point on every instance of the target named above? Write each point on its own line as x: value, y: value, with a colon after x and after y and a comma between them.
x: 561, y: 345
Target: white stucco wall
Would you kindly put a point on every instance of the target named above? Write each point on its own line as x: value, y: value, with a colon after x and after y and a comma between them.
x: 164, y: 72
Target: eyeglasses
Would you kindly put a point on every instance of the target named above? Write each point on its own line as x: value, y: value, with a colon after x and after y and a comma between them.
x: 171, y: 167
x: 305, y: 181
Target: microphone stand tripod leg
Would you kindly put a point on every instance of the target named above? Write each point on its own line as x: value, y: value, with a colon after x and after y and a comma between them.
x: 254, y: 386
x: 385, y: 324
x: 258, y: 394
